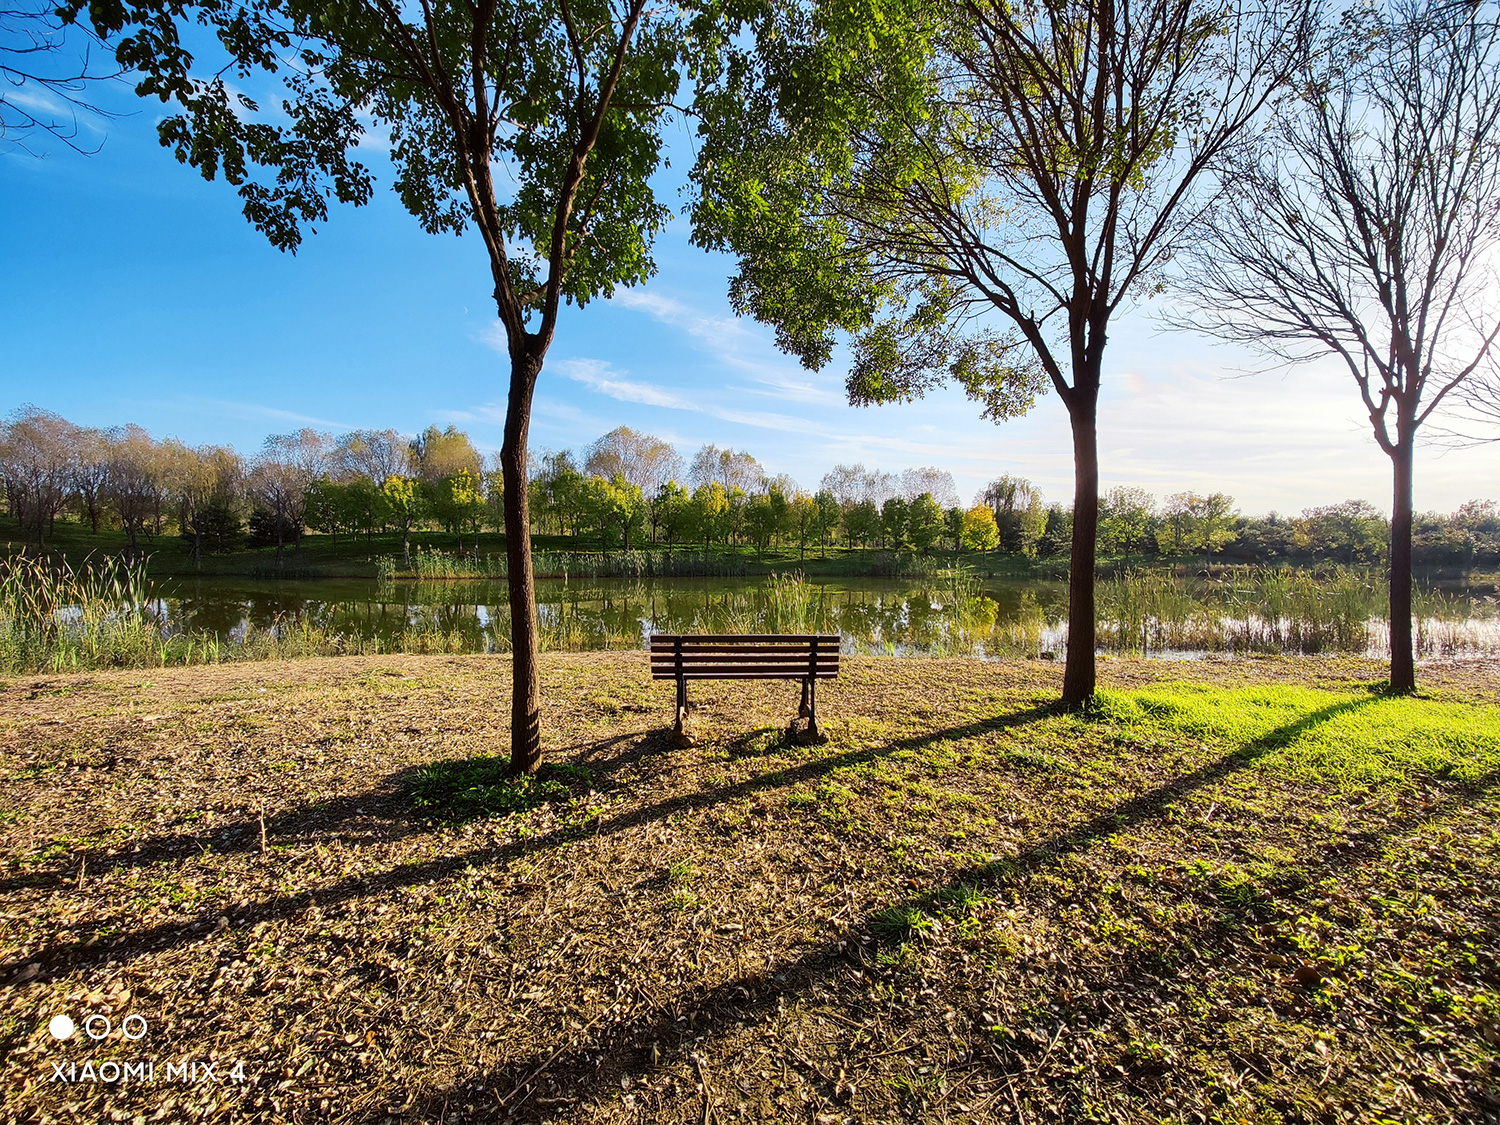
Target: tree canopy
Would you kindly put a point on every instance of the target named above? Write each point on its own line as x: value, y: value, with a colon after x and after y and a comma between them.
x: 972, y: 191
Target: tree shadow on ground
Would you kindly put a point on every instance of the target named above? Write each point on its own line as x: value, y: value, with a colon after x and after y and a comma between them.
x: 153, y: 939
x: 379, y: 814
x: 610, y: 1055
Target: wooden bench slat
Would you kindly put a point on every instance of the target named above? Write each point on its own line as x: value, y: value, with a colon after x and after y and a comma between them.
x: 731, y: 654
x: 745, y: 638
x: 744, y: 674
x: 758, y: 647
x: 808, y: 657
x: 689, y: 665
x: 663, y: 671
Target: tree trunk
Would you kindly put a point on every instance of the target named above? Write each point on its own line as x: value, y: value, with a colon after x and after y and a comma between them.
x: 526, y: 704
x: 1079, y: 675
x: 1403, y: 670
x: 406, y: 544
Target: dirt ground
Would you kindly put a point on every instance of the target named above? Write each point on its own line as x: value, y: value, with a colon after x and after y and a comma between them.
x: 964, y: 906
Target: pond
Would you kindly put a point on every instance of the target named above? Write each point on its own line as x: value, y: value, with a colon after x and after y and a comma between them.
x: 1153, y: 613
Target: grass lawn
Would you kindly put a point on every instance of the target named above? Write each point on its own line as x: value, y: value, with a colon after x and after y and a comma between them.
x: 1249, y: 892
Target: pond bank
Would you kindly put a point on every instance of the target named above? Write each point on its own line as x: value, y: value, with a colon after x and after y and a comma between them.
x: 1251, y: 890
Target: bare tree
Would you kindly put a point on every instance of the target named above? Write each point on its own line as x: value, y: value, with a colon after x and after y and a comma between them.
x: 135, y: 482
x: 731, y: 468
x: 36, y: 450
x: 46, y: 65
x: 1480, y: 394
x: 644, y: 461
x: 938, y: 483
x: 1366, y: 227
x: 90, y: 463
x: 377, y: 454
x: 287, y: 465
x: 854, y: 484
x: 979, y: 192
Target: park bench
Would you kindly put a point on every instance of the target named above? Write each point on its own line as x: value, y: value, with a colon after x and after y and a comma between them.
x: 746, y: 656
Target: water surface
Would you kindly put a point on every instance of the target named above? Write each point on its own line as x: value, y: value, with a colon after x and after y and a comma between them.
x: 1152, y: 614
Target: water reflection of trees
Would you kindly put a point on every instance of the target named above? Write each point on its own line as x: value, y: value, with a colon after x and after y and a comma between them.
x: 954, y: 618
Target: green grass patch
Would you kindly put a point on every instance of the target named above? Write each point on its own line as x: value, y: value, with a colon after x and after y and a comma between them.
x: 467, y: 789
x: 1357, y: 736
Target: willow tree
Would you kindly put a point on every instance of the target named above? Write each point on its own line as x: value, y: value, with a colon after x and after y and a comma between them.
x: 1366, y: 227
x: 536, y: 124
x: 974, y: 191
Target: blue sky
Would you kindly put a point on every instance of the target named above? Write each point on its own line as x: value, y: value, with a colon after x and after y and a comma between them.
x: 136, y: 292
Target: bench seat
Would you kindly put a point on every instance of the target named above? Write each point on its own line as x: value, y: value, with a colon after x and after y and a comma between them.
x: 808, y: 657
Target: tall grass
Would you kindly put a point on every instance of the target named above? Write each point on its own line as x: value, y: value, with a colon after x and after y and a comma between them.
x: 54, y: 618
x: 1335, y: 609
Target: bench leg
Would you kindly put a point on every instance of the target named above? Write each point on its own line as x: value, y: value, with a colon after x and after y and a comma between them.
x: 802, y: 709
x: 682, y: 706
x: 812, y: 707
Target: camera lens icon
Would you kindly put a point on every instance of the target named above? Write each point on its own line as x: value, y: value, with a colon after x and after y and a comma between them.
x: 61, y: 1027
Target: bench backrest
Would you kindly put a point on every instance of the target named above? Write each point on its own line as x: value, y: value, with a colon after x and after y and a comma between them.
x: 744, y: 656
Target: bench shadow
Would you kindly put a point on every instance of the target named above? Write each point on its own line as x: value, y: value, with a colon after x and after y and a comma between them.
x: 758, y: 743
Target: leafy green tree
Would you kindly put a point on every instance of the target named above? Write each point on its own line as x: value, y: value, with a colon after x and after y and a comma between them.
x: 458, y: 501
x: 596, y: 508
x: 557, y: 491
x: 219, y: 526
x: 1355, y: 529
x: 924, y: 522
x: 616, y: 505
x: 953, y: 527
x: 324, y: 507
x: 803, y: 515
x: 761, y: 521
x: 709, y: 511
x: 980, y: 533
x: 538, y: 124
x: 781, y: 511
x: 1056, y: 532
x: 826, y: 521
x: 1191, y: 522
x: 673, y: 511
x: 734, y: 514
x: 405, y: 504
x: 913, y: 174
x: 893, y: 522
x: 1125, y: 519
x: 861, y: 522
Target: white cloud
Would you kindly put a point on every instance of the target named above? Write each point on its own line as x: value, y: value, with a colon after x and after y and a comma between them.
x: 597, y: 375
x: 1176, y: 413
x: 733, y: 345
x: 256, y: 410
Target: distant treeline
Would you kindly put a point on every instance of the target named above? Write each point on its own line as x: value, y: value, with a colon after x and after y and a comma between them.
x: 629, y: 490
